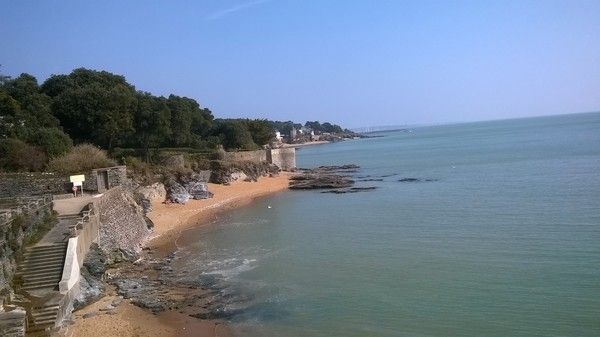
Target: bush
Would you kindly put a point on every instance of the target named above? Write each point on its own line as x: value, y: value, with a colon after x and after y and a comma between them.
x: 53, y: 140
x: 16, y: 155
x: 81, y: 158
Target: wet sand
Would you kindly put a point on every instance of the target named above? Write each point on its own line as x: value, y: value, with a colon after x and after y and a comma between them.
x: 170, y: 220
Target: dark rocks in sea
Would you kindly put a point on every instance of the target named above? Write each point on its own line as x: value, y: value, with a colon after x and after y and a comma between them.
x: 323, y: 177
x: 416, y: 180
x: 319, y: 181
x: 371, y: 179
x: 351, y: 190
x: 341, y: 168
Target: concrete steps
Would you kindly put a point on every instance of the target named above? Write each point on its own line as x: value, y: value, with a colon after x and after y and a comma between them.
x: 41, y: 268
x: 42, y: 318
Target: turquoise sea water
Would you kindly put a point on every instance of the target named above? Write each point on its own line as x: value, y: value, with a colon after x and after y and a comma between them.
x: 504, y: 241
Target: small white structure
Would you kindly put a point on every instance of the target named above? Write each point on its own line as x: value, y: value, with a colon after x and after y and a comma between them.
x: 278, y: 136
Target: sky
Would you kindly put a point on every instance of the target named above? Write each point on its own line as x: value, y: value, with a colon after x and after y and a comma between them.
x: 356, y: 63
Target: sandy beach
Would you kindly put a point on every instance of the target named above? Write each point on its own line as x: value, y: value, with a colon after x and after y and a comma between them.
x: 170, y: 220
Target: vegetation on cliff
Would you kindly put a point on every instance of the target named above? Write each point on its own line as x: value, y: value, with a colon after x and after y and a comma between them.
x: 41, y: 122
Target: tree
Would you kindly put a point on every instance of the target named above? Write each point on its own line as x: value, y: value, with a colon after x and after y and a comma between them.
x: 234, y: 135
x: 52, y: 140
x: 93, y: 106
x: 181, y: 120
x: 261, y: 130
x: 152, y: 121
x: 11, y: 120
x: 35, y: 105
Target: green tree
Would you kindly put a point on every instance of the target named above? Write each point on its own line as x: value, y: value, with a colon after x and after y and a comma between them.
x: 181, y: 120
x: 93, y: 106
x: 52, y: 140
x: 234, y: 135
x: 261, y: 130
x: 12, y: 122
x: 152, y: 121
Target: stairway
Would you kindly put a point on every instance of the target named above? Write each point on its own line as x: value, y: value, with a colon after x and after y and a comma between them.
x: 43, y: 318
x: 42, y: 266
x: 41, y: 271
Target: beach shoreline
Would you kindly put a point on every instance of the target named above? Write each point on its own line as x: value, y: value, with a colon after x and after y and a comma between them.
x: 170, y: 220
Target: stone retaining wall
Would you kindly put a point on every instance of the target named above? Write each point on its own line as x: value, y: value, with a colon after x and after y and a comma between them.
x: 123, y: 226
x: 40, y: 183
x: 257, y: 156
x: 20, y: 223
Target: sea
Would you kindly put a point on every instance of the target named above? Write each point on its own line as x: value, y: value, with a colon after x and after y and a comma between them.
x: 476, y: 229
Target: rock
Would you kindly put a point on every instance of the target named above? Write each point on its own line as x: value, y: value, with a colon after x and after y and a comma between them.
x: 108, y: 308
x: 90, y: 290
x: 95, y: 261
x: 351, y: 190
x: 319, y: 181
x: 198, y: 190
x: 177, y: 193
x: 146, y: 205
x: 346, y: 168
x: 239, y: 175
x: 414, y: 180
x: 90, y: 314
x: 154, y: 192
x: 117, y: 301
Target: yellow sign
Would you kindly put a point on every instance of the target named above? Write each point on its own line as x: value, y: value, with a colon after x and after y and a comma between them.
x: 77, y: 179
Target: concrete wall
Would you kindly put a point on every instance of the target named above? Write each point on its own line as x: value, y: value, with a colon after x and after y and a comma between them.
x: 284, y: 158
x: 86, y: 231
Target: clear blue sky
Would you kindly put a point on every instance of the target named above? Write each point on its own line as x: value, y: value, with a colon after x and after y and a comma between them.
x: 357, y: 63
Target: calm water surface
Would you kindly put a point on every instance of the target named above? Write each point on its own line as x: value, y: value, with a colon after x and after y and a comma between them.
x: 504, y: 241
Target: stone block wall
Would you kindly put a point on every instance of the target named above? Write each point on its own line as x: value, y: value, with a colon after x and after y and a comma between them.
x: 257, y: 156
x: 36, y: 183
x: 15, y: 232
x: 123, y: 226
x: 27, y: 184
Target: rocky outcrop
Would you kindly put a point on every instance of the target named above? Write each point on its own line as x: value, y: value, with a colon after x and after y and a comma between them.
x: 186, y: 187
x: 351, y: 190
x: 416, y: 180
x: 319, y: 181
x: 198, y: 190
x: 225, y: 172
x: 145, y: 195
x: 154, y: 192
x: 324, y: 177
x: 177, y: 193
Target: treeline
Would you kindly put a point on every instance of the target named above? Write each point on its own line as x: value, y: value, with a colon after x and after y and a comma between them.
x: 41, y: 122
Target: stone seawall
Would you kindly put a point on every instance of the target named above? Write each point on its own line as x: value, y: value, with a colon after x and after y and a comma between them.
x: 122, y: 222
x: 257, y: 156
x: 23, y: 222
x: 284, y: 158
